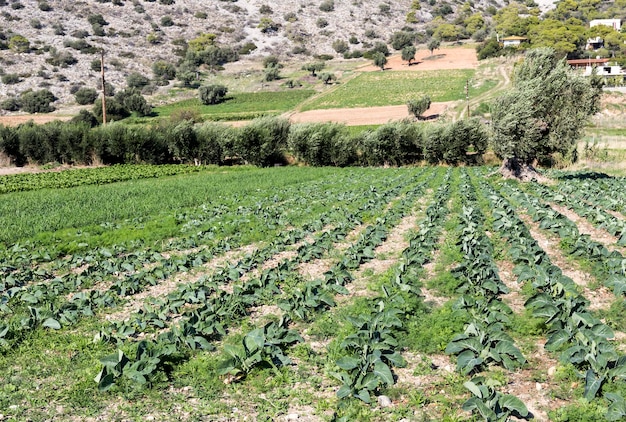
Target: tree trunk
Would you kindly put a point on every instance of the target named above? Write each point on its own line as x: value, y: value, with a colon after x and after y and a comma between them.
x: 514, y: 168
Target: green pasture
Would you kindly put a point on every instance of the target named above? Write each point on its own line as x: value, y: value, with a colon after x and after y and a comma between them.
x: 240, y: 106
x: 107, y: 210
x: 371, y: 89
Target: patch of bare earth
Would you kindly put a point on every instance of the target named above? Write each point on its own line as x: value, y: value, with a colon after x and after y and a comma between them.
x: 600, y: 298
x: 367, y: 115
x: 514, y: 299
x: 525, y: 383
x: 585, y: 227
x: 441, y: 59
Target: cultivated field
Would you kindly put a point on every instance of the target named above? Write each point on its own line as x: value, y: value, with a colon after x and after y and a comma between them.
x: 302, y: 293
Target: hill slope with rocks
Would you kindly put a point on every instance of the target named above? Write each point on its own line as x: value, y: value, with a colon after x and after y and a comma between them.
x: 56, y: 44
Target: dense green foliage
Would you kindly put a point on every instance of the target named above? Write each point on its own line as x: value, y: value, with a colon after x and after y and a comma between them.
x: 546, y: 111
x: 264, y: 142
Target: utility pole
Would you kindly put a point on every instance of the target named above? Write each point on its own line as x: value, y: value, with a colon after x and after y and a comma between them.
x: 467, y: 96
x: 104, y: 102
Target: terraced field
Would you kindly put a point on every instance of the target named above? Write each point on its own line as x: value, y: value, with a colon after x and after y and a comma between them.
x: 313, y: 294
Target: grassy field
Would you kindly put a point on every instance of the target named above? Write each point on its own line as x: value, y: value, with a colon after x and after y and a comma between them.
x: 170, y: 278
x: 393, y: 88
x: 241, y: 106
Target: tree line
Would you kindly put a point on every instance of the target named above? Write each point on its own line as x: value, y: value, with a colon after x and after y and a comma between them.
x: 264, y: 142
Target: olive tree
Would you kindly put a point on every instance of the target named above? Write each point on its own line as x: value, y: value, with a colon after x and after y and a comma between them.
x: 380, y: 60
x: 408, y: 53
x: 433, y: 45
x: 543, y: 114
x: 212, y: 94
x: 418, y: 106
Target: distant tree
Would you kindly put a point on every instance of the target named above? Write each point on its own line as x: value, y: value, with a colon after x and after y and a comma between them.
x: 270, y: 61
x: 544, y: 113
x: 379, y: 60
x: 136, y: 80
x: 401, y: 39
x: 271, y: 73
x: 433, y: 45
x: 340, y: 46
x: 418, y: 106
x: 85, y: 116
x: 136, y: 103
x: 327, y: 77
x: 314, y: 67
x: 212, y: 94
x: 164, y: 70
x: 37, y: 101
x: 408, y: 53
x: 86, y: 96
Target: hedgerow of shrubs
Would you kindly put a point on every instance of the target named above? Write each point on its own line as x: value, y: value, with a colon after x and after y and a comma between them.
x: 264, y: 142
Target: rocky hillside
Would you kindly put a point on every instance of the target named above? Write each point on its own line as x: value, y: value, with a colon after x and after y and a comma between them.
x: 55, y: 44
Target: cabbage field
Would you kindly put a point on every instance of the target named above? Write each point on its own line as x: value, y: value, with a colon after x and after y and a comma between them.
x: 407, y: 294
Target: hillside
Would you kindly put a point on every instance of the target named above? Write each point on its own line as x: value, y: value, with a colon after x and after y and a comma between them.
x: 62, y: 39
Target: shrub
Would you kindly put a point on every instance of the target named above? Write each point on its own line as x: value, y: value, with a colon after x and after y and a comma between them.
x: 164, y: 70
x: 327, y: 77
x: 136, y: 80
x: 271, y: 74
x: 86, y: 96
x: 327, y: 6
x: 136, y: 103
x: 10, y: 104
x: 263, y: 141
x: 435, y: 143
x: 317, y: 144
x: 401, y: 39
x: 290, y: 17
x: 10, y: 145
x: 213, y: 140
x: 115, y: 110
x: 97, y: 19
x: 247, y: 48
x: 463, y: 136
x: 321, y: 23
x: 267, y: 25
x: 314, y: 67
x: 44, y: 6
x: 62, y: 59
x: 212, y: 94
x: 397, y: 143
x: 19, y: 44
x: 340, y: 46
x: 270, y: 61
x: 167, y: 21
x: 265, y: 10
x: 418, y: 106
x: 182, y: 141
x: 85, y: 117
x: 11, y: 78
x: 37, y: 101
